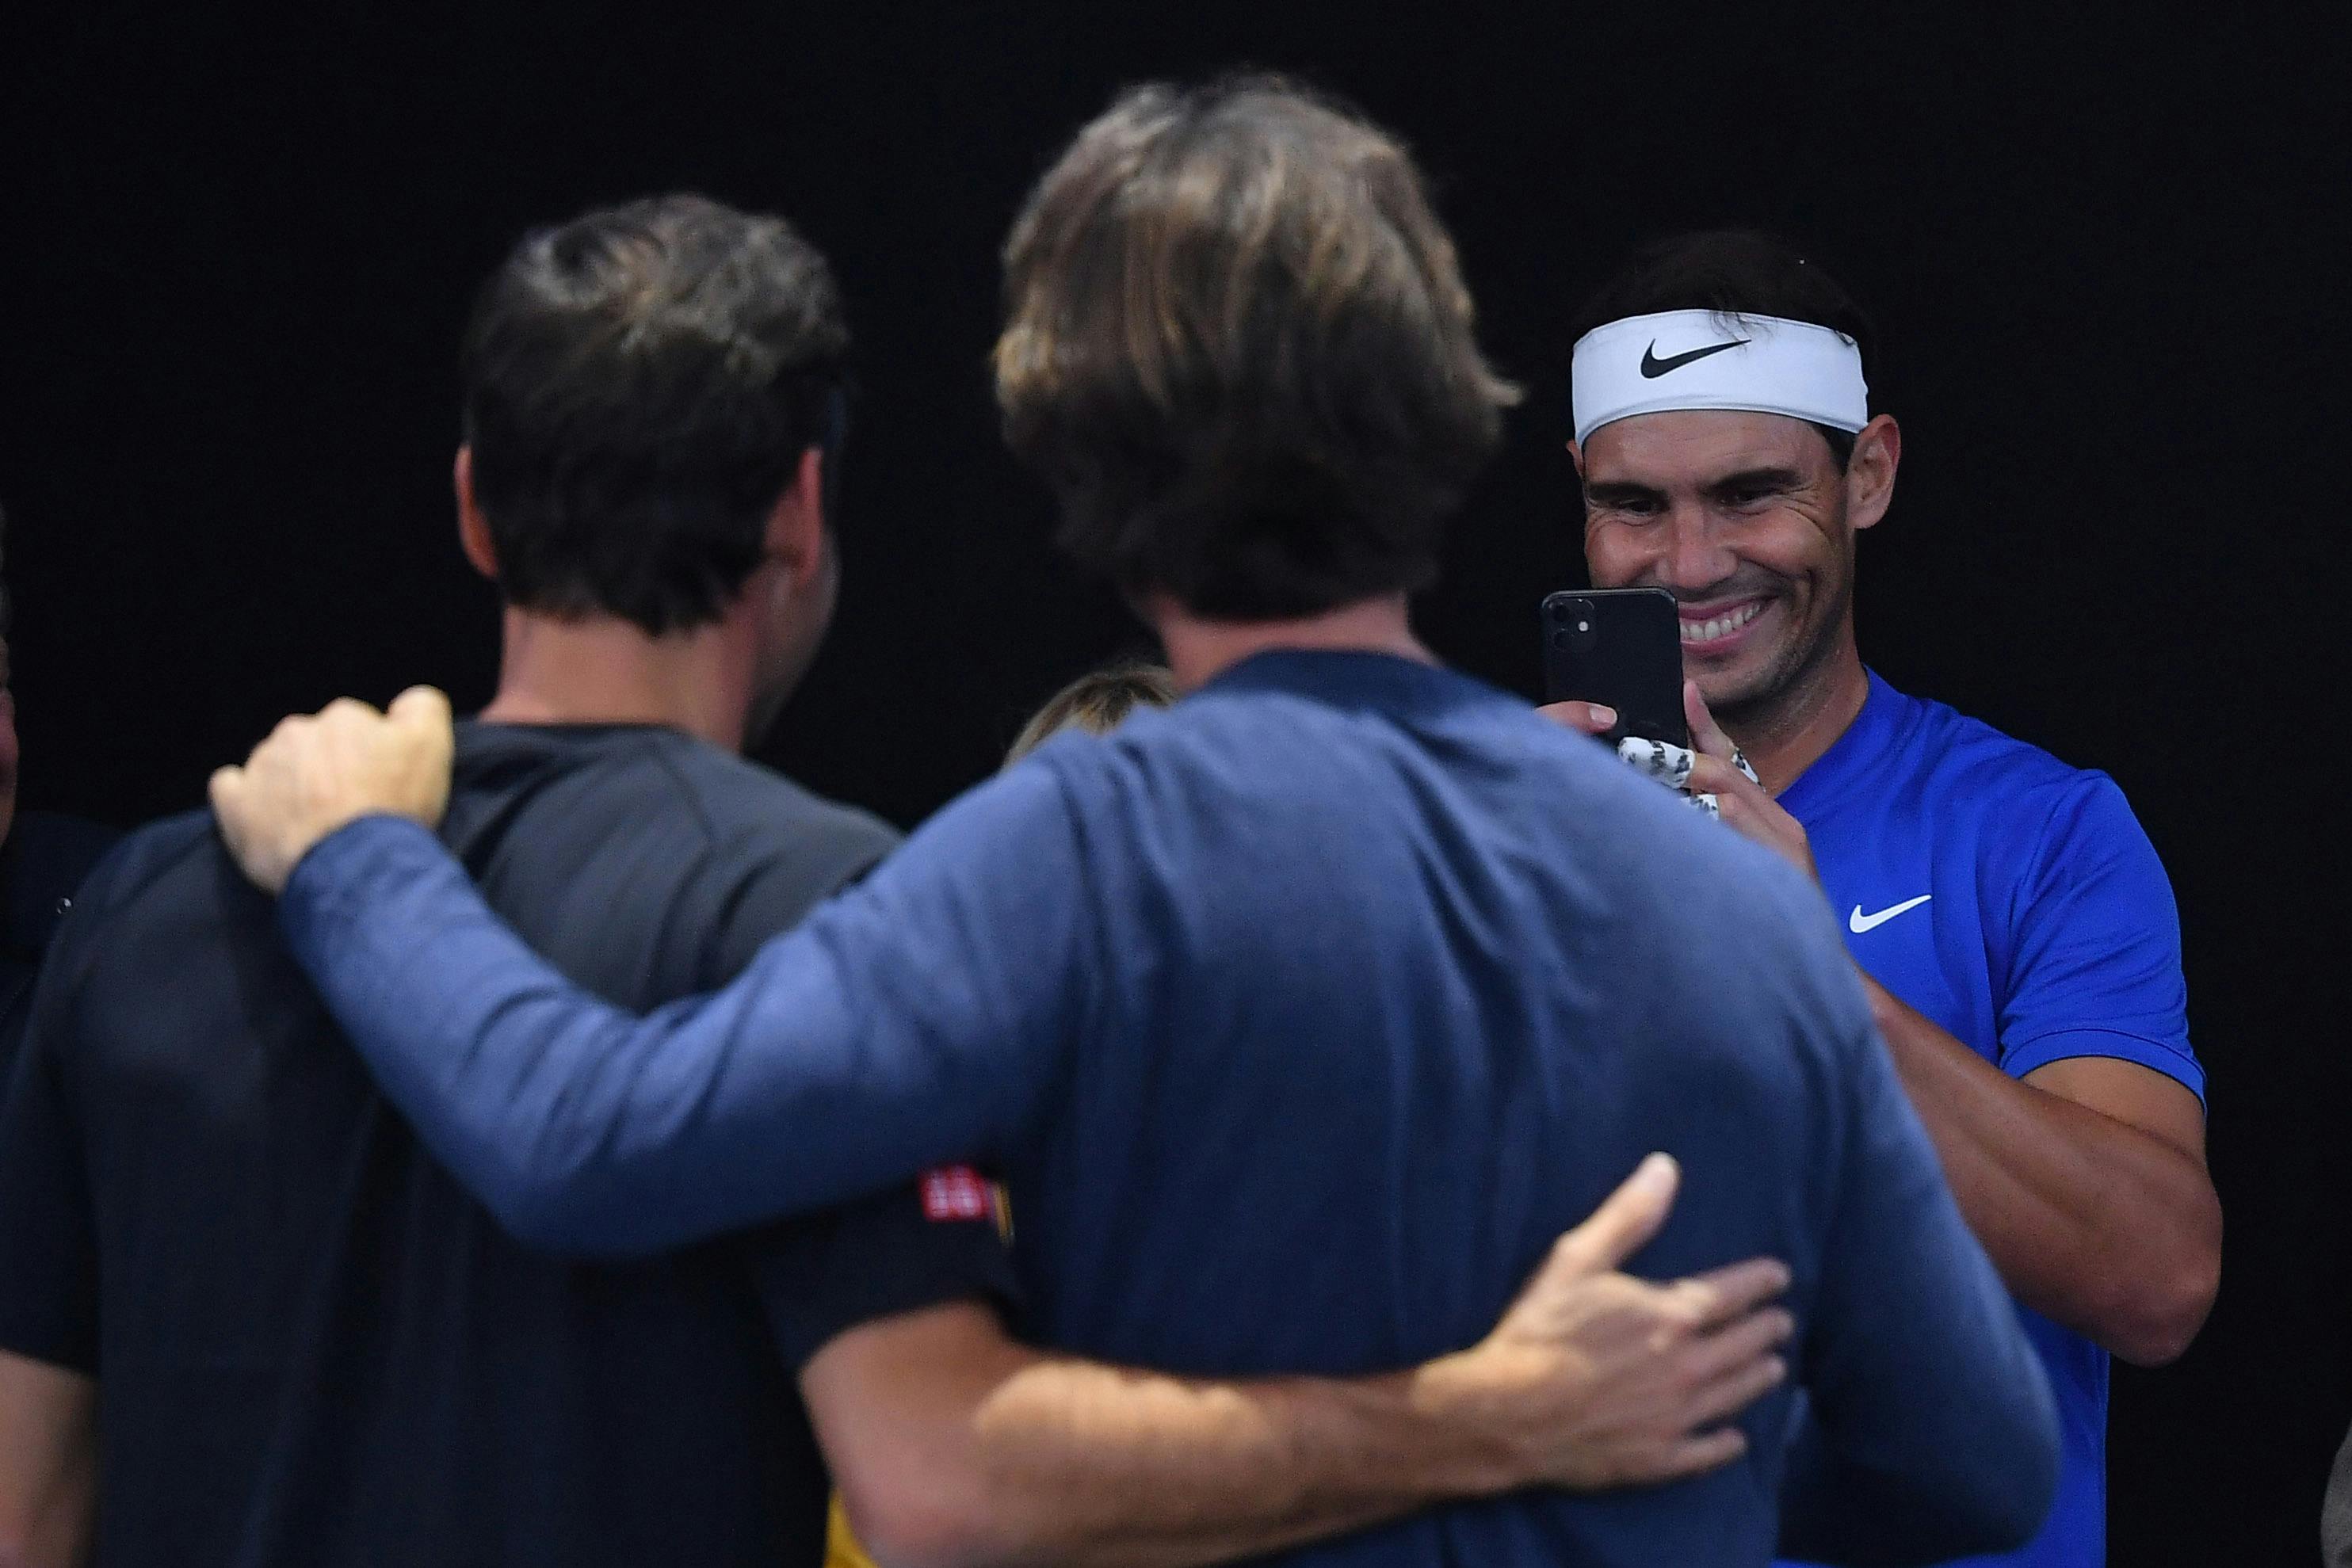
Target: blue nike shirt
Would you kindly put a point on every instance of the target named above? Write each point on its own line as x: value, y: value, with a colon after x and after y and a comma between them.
x: 2015, y: 902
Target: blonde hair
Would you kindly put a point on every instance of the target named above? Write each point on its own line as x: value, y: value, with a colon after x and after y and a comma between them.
x: 1097, y: 703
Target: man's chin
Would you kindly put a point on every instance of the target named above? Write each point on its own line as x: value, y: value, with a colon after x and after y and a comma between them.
x: 1736, y: 685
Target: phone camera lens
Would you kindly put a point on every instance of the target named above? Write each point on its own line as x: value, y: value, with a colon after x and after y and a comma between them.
x: 1575, y: 622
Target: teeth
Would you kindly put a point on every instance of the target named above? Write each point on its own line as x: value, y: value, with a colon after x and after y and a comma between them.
x: 1721, y: 625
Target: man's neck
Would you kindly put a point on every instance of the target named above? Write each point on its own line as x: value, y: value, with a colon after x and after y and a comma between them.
x: 602, y: 670
x: 1199, y: 651
x: 1783, y: 741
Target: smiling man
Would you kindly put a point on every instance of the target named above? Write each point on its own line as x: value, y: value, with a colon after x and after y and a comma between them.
x: 2015, y: 932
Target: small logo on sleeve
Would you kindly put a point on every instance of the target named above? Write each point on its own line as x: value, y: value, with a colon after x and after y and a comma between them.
x: 955, y: 1193
x: 1859, y: 923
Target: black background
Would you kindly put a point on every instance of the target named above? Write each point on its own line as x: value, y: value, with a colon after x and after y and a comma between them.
x: 2104, y: 254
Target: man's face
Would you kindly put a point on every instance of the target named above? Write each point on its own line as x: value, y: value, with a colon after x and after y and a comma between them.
x: 1744, y: 518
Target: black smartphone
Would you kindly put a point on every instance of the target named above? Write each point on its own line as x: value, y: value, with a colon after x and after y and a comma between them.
x: 1622, y: 646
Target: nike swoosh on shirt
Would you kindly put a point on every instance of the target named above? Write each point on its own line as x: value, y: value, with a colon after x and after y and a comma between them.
x: 1654, y: 367
x: 1859, y: 923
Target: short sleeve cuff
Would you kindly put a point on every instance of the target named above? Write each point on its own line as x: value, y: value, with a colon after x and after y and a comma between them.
x: 2065, y: 1045
x: 879, y: 1258
x: 39, y: 1337
x: 849, y: 1303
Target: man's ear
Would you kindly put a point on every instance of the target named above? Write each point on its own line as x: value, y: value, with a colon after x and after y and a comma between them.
x: 473, y: 528
x: 1870, y: 473
x: 1576, y: 459
x: 796, y: 528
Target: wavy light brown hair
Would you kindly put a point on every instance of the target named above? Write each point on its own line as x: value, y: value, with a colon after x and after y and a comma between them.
x: 1239, y: 348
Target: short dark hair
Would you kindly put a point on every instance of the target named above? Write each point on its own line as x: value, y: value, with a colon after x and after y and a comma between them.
x: 1238, y: 348
x: 640, y: 383
x: 1736, y: 272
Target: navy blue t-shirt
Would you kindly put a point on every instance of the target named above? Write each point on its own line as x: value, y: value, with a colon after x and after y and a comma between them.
x: 2016, y: 903
x: 1303, y: 1018
x: 313, y: 1348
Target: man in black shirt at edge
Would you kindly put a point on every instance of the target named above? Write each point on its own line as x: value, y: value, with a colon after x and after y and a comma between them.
x: 245, y: 1319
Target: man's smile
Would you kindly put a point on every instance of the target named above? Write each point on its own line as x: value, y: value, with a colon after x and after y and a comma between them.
x: 1717, y: 629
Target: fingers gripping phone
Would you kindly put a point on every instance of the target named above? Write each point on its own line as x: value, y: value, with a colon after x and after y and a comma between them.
x: 1622, y: 647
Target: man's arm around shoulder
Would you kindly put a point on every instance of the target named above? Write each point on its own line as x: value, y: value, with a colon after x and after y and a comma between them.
x: 954, y: 1446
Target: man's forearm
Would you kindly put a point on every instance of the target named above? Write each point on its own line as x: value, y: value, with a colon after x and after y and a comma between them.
x: 1099, y: 1465
x: 954, y: 1445
x: 1046, y: 1458
x: 2092, y: 1222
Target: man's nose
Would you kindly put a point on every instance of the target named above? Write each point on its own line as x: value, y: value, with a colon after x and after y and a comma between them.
x: 1695, y: 556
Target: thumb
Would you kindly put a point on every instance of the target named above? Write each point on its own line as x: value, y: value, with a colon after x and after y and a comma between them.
x: 229, y: 789
x: 1706, y: 736
x: 1592, y: 718
x: 424, y: 709
x: 226, y: 788
x: 1625, y: 1221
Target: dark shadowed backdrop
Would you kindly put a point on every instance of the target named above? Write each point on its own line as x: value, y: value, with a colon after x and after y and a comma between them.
x: 2105, y: 259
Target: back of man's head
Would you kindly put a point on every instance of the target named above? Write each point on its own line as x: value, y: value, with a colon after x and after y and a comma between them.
x: 1734, y: 272
x: 1239, y: 348
x: 640, y: 384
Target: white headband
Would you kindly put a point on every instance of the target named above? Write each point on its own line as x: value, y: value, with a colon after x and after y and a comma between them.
x: 1704, y: 359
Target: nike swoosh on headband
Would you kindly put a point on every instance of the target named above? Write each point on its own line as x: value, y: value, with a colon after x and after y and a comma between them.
x: 1859, y: 923
x: 1654, y: 367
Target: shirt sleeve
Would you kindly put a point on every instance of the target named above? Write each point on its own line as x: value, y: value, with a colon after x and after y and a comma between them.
x: 934, y: 1243
x: 2094, y: 948
x: 1930, y: 1432
x: 937, y: 1241
x: 48, y: 1242
x: 917, y: 1019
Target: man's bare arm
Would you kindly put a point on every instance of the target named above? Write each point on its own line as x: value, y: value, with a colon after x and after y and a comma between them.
x: 48, y: 1464
x: 953, y: 1446
x: 2086, y: 1181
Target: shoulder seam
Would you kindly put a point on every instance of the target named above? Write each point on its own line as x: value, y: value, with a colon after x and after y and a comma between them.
x: 687, y: 787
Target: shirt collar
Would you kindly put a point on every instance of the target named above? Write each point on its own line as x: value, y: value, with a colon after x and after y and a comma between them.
x: 1362, y: 680
x: 1853, y: 755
